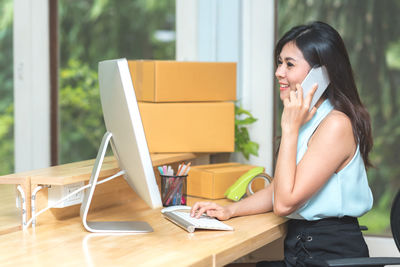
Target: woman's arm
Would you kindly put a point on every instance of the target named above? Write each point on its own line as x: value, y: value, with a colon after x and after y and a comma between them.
x: 330, y: 149
x: 259, y: 202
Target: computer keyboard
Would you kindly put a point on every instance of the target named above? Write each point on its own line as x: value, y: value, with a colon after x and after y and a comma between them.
x: 190, y: 224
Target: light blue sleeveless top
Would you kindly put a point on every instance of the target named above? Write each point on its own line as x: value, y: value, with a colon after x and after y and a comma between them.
x: 346, y: 192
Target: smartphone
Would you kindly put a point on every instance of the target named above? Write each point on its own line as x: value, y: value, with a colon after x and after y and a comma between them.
x: 318, y: 75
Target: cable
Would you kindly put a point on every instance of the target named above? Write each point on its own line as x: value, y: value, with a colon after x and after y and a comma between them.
x: 21, y: 191
x: 69, y: 195
x: 33, y: 207
x: 33, y: 202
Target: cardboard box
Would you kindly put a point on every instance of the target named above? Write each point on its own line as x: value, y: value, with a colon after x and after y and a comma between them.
x: 211, y: 181
x: 174, y: 81
x: 189, y: 127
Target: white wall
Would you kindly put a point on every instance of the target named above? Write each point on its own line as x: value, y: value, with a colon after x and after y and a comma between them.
x: 241, y: 31
x: 31, y: 85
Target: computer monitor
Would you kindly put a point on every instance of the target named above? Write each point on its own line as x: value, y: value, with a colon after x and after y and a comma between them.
x: 126, y: 134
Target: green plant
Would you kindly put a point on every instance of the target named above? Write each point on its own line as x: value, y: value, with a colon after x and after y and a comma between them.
x: 81, y: 117
x: 243, y: 144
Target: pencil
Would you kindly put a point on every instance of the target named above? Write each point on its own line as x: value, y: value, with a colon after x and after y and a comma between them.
x: 186, y: 168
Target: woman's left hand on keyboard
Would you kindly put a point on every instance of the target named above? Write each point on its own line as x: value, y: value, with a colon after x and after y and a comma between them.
x: 211, y: 209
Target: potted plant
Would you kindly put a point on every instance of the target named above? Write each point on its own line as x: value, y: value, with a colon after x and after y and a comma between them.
x: 243, y: 143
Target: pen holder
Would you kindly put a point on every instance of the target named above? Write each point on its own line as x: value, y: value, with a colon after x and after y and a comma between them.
x: 173, y: 190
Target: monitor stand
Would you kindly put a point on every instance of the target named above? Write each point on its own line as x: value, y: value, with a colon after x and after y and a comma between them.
x: 109, y: 226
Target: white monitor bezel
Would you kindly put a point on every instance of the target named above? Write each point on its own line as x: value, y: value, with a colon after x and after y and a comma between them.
x: 122, y: 118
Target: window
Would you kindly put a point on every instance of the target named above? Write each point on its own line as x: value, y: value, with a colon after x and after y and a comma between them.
x: 92, y: 31
x: 6, y: 88
x: 369, y: 29
x: 7, y: 192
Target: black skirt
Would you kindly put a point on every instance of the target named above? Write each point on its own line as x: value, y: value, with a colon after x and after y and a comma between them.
x: 311, y: 243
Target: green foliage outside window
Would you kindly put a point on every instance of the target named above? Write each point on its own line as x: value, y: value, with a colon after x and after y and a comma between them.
x: 94, y: 30
x: 89, y: 31
x: 6, y: 88
x: 82, y: 119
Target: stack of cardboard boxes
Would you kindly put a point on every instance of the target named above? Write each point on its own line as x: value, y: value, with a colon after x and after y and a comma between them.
x: 186, y: 106
x: 189, y: 107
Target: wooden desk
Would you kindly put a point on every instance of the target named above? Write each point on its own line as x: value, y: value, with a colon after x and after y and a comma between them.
x: 64, y: 241
x: 67, y: 243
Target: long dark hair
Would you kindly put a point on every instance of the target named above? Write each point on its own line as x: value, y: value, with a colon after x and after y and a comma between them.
x: 322, y: 45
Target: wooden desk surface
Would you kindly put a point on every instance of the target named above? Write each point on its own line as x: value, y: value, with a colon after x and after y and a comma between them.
x: 66, y: 242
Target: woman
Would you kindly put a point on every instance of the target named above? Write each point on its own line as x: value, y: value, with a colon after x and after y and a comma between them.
x: 320, y: 179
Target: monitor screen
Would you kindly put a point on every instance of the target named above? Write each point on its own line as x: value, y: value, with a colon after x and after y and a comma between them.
x: 123, y: 121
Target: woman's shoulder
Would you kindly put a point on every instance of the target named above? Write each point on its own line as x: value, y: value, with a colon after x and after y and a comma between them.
x: 335, y: 133
x: 337, y: 121
x: 336, y: 126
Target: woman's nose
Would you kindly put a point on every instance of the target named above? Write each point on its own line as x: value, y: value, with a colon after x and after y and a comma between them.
x: 279, y: 73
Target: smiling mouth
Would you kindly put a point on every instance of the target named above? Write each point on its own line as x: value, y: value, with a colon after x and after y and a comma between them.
x: 283, y: 87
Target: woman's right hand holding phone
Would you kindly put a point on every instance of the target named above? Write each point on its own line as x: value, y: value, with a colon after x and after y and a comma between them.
x: 296, y: 109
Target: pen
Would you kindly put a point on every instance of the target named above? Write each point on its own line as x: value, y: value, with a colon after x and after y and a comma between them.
x: 172, y: 192
x: 180, y: 168
x: 186, y: 169
x: 164, y: 169
x: 180, y: 195
x: 170, y: 171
